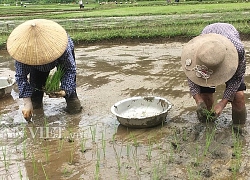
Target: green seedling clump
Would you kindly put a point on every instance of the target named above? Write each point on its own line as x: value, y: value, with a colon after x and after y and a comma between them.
x: 53, y: 81
x: 210, y: 115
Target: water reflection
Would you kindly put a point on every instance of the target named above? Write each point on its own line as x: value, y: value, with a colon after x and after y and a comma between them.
x: 130, y: 70
x: 106, y: 75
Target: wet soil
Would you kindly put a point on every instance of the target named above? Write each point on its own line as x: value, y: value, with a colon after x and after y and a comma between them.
x: 94, y: 145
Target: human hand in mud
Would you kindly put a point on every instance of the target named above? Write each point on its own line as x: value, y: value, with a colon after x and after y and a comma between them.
x: 27, y: 109
x: 57, y: 94
x: 218, y: 108
x: 201, y: 107
x: 205, y: 115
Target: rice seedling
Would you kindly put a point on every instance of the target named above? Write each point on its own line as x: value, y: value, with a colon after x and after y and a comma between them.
x: 134, y: 151
x: 137, y: 165
x: 24, y: 149
x: 34, y: 164
x: 149, y: 150
x: 197, y: 156
x: 45, y: 132
x: 70, y: 135
x: 171, y: 154
x: 133, y: 138
x: 46, y: 151
x: 156, y: 172
x: 25, y: 135
x: 53, y: 81
x: 103, y: 144
x: 113, y: 137
x: 97, y: 165
x: 210, y: 115
x: 67, y: 172
x: 118, y: 157
x: 176, y: 143
x: 209, y: 138
x: 5, y: 160
x: 83, y: 144
x: 124, y: 175
x: 164, y: 166
x: 128, y: 149
x: 184, y: 135
x: 44, y: 172
x: 191, y: 173
x: 237, y: 145
x: 71, y: 159
x: 16, y: 143
x: 20, y: 173
x: 237, y: 153
x: 60, y: 144
x: 93, y: 133
x: 136, y: 160
x: 162, y: 125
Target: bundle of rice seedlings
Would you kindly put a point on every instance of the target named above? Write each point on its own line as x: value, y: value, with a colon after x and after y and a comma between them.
x: 210, y: 115
x: 53, y: 81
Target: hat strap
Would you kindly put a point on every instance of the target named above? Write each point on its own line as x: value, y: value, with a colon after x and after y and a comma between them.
x: 202, y: 71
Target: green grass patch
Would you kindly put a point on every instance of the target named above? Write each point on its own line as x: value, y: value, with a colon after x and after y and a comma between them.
x: 138, y: 20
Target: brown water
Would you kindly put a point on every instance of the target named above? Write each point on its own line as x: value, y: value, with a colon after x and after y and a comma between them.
x: 93, y: 145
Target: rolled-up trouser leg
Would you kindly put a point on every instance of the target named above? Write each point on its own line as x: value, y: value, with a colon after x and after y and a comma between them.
x: 239, y: 112
x: 73, y: 104
x: 239, y: 117
x: 37, y: 81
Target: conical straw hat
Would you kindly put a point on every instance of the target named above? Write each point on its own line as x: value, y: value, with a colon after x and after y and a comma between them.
x: 37, y: 42
x: 209, y: 59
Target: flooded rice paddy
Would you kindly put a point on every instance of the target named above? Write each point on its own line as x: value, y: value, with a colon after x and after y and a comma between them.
x: 93, y: 145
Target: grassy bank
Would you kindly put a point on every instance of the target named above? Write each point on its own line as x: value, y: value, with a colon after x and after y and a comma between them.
x: 136, y: 21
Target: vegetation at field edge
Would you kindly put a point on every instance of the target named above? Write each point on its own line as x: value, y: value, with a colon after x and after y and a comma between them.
x: 142, y: 20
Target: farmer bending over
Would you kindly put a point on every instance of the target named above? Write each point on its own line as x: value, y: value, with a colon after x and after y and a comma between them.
x: 215, y: 57
x: 38, y: 46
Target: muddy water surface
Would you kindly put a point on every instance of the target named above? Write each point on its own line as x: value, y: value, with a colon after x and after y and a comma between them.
x: 93, y: 145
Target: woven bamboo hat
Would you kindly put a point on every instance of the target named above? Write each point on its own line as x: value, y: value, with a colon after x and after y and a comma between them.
x: 37, y: 42
x: 209, y: 59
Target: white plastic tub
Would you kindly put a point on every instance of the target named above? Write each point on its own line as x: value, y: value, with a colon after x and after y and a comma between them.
x: 141, y: 112
x: 6, y: 86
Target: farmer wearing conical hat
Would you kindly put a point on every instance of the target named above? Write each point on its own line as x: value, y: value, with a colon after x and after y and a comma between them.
x: 38, y: 46
x: 215, y: 57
